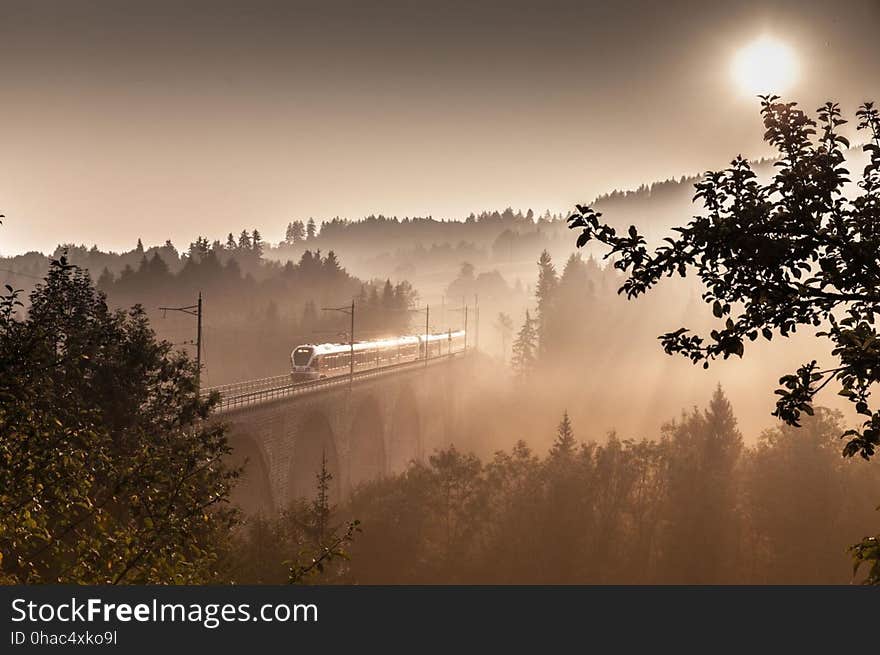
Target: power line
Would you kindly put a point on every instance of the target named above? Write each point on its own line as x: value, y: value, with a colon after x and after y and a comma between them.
x: 345, y: 309
x: 192, y: 310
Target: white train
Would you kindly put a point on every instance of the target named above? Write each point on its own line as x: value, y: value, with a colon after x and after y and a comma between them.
x: 315, y: 361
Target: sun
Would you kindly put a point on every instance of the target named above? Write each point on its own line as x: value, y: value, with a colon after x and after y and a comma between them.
x: 766, y: 65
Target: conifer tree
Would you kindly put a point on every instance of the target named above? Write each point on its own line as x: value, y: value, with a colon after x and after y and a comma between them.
x: 295, y: 233
x: 504, y: 325
x: 321, y: 504
x: 331, y: 265
x: 705, y: 448
x: 545, y: 293
x: 257, y: 243
x: 525, y: 348
x: 564, y: 445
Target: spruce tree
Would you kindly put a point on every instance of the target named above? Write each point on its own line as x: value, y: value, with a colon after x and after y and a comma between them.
x: 545, y: 293
x: 321, y: 504
x: 295, y: 232
x: 504, y: 325
x: 257, y: 243
x: 331, y: 265
x: 525, y: 348
x: 564, y: 445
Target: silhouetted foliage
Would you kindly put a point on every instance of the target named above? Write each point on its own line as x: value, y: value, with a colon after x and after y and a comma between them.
x: 705, y: 448
x: 295, y: 232
x: 504, y: 325
x: 525, y: 348
x: 795, y: 251
x: 545, y: 293
x: 692, y: 506
x: 248, y: 300
x: 302, y: 544
x: 564, y: 445
x: 109, y: 472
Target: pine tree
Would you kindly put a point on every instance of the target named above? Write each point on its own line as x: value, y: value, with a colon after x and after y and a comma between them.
x: 504, y: 325
x: 257, y: 243
x: 198, y: 249
x: 574, y: 273
x: 724, y: 441
x: 230, y: 242
x: 330, y: 542
x: 244, y: 240
x: 544, y: 294
x: 388, y: 296
x: 295, y: 233
x: 525, y: 348
x: 565, y: 443
x: 321, y: 504
x: 106, y: 279
x: 331, y: 266
x: 310, y: 229
x: 705, y: 447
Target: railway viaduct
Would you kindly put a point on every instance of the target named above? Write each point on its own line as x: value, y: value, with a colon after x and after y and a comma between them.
x: 364, y: 427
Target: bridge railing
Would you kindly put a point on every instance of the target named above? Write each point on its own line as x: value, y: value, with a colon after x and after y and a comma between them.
x: 247, y: 386
x: 254, y: 392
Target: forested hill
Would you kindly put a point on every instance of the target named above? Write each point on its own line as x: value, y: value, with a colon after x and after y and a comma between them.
x: 249, y: 282
x: 255, y: 311
x: 501, y: 236
x: 511, y: 236
x: 510, y: 239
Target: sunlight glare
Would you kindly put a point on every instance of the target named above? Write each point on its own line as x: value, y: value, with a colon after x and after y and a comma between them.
x: 765, y: 66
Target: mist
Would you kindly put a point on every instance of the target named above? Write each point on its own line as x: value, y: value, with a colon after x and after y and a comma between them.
x: 194, y: 194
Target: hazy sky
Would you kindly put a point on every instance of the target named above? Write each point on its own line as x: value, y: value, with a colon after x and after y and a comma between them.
x: 172, y: 119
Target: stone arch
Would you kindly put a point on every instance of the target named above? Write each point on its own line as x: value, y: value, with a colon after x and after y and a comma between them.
x: 405, y: 435
x: 252, y: 491
x: 366, y: 453
x: 314, y: 441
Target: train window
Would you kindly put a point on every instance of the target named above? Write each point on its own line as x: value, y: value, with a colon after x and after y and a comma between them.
x: 302, y: 355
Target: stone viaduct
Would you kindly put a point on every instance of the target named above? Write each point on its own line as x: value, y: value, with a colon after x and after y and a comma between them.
x: 363, y: 427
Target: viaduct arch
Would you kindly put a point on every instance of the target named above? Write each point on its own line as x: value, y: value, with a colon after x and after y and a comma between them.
x: 364, y: 430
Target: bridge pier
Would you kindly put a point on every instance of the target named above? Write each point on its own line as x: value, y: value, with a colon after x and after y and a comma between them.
x: 372, y: 428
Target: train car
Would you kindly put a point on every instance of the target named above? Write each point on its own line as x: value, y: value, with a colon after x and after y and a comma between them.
x: 442, y: 343
x: 316, y: 361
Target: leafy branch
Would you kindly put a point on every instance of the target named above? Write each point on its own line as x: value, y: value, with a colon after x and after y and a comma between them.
x: 774, y: 257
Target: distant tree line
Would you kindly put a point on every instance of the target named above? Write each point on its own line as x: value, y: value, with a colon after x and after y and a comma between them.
x: 256, y: 310
x: 692, y: 506
x: 267, y: 307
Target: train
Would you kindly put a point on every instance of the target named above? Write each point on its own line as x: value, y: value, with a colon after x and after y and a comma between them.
x: 316, y: 361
